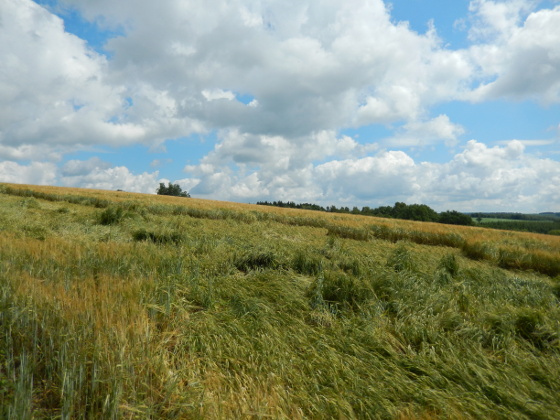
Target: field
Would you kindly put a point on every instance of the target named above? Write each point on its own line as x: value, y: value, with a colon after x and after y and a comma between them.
x: 119, y: 305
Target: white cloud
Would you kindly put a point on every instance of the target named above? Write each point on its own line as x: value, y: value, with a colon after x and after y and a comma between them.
x: 309, y: 67
x: 487, y: 178
x: 389, y: 174
x: 36, y: 173
x: 479, y: 178
x: 100, y: 175
x: 274, y: 153
x: 51, y: 84
x: 214, y: 94
x: 521, y: 55
x: 30, y: 151
x: 497, y: 18
x: 422, y: 133
x: 80, y: 168
x: 92, y: 173
x: 532, y: 142
x: 56, y: 92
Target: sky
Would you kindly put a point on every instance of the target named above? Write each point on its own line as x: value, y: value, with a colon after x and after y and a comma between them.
x: 453, y: 104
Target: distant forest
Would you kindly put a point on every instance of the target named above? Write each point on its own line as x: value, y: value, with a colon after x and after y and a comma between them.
x: 419, y: 212
x: 547, y: 223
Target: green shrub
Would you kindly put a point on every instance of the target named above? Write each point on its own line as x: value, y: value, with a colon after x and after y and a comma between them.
x: 172, y: 189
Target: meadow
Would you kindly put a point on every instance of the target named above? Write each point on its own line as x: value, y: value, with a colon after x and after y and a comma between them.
x: 120, y: 305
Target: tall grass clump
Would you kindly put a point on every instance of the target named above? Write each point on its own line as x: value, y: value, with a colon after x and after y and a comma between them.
x: 449, y: 264
x: 162, y: 237
x: 448, y: 269
x: 111, y: 215
x: 255, y: 260
x: 401, y: 259
x: 530, y: 325
x: 339, y: 291
x: 347, y: 232
x: 306, y: 263
x: 417, y: 236
x: 74, y: 199
x: 478, y: 251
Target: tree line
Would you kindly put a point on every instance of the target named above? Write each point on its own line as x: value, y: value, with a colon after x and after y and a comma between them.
x: 549, y: 216
x: 419, y: 212
x: 541, y: 223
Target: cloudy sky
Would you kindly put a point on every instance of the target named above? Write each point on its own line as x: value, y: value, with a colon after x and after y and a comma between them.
x: 454, y: 104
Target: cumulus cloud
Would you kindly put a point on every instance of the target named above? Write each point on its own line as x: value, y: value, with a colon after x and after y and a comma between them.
x: 118, y: 177
x: 74, y: 168
x: 309, y: 67
x: 422, y: 133
x: 179, y: 66
x: 477, y: 178
x: 57, y: 92
x: 51, y: 85
x: 36, y: 173
x: 92, y: 173
x: 519, y: 52
x: 274, y: 153
x: 494, y: 177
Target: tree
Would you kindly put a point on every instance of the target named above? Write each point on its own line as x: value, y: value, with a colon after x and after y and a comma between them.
x: 171, y: 189
x: 453, y: 217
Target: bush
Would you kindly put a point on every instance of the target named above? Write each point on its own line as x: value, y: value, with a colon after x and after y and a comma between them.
x: 453, y: 217
x: 172, y: 189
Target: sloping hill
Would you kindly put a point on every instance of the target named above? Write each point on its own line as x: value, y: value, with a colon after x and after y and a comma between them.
x: 121, y: 305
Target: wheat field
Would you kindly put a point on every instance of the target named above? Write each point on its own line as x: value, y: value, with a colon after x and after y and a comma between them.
x: 121, y: 305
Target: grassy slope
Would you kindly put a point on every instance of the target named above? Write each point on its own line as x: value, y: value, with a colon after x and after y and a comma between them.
x: 134, y: 306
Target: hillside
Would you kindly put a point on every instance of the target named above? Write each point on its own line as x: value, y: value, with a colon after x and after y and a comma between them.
x: 122, y: 305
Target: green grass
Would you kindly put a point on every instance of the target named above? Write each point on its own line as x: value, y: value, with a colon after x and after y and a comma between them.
x: 124, y: 306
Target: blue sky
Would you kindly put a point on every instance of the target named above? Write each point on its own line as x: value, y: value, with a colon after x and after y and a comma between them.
x: 454, y: 104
